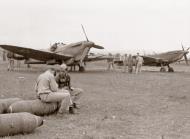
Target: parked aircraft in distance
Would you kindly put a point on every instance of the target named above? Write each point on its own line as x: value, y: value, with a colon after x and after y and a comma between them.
x: 58, y: 53
x: 164, y: 59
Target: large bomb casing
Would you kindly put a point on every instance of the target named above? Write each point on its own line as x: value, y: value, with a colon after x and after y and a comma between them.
x: 5, y: 103
x: 36, y: 107
x: 16, y: 123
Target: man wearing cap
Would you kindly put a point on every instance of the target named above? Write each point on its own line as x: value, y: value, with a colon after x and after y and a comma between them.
x: 125, y: 62
x: 110, y: 62
x: 64, y: 82
x: 139, y: 62
x: 130, y: 63
x: 47, y: 91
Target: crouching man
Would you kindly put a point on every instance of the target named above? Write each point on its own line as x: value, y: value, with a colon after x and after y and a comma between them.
x: 47, y: 91
x: 64, y: 82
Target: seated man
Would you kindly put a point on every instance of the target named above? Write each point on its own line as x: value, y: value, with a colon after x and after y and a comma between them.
x: 47, y: 91
x: 64, y: 82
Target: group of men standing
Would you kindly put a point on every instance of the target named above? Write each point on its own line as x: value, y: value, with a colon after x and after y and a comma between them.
x: 128, y: 61
x: 54, y: 86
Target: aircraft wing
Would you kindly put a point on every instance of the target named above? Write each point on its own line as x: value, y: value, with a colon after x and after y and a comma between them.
x: 41, y: 55
x: 149, y: 60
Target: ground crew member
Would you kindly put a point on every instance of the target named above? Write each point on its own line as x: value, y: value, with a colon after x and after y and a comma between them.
x: 4, y: 55
x: 139, y: 62
x: 130, y: 63
x: 11, y: 61
x: 125, y: 62
x: 18, y: 64
x: 110, y: 62
x: 47, y: 91
x: 64, y: 82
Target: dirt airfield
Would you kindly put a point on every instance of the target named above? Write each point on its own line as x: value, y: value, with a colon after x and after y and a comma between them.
x: 115, y: 105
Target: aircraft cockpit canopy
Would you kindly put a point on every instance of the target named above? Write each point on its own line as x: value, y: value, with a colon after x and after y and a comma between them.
x: 53, y: 47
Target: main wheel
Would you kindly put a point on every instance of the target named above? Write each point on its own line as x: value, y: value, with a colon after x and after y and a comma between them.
x: 81, y: 69
x: 162, y: 69
x: 170, y: 69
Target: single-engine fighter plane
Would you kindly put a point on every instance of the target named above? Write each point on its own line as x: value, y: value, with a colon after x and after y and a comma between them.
x: 164, y: 59
x: 58, y: 53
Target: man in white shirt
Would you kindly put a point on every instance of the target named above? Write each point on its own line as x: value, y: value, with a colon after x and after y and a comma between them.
x: 125, y: 62
x: 110, y: 62
x: 139, y: 63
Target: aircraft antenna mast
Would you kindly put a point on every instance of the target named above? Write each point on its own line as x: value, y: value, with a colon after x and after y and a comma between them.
x: 84, y: 33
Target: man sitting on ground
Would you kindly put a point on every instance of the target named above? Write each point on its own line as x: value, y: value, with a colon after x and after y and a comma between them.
x: 64, y: 82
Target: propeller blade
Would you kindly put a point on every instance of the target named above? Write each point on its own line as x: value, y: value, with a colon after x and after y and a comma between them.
x: 182, y: 47
x: 98, y: 46
x: 84, y: 33
x: 185, y: 54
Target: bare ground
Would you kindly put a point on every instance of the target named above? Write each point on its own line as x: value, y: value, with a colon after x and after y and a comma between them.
x: 115, y: 105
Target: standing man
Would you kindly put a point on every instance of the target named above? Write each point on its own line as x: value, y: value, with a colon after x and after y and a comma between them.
x: 47, y: 91
x: 110, y: 62
x: 130, y: 63
x: 18, y: 65
x: 139, y: 62
x: 125, y: 62
x: 64, y: 82
x: 4, y: 55
x: 10, y: 56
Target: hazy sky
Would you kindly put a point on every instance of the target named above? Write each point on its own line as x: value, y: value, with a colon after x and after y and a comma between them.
x: 122, y: 25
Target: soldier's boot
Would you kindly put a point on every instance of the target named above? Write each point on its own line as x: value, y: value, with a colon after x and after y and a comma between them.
x: 76, y: 106
x: 72, y: 110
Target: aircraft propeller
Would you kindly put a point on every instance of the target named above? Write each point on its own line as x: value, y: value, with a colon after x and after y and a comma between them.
x: 185, y: 54
x: 88, y: 45
x: 84, y: 33
x: 91, y: 43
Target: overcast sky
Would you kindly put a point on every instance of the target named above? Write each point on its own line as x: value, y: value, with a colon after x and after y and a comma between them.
x: 118, y: 25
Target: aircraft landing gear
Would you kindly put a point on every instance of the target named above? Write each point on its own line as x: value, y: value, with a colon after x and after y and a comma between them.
x: 170, y: 69
x: 162, y: 69
x: 81, y: 66
x: 81, y: 69
x: 28, y: 66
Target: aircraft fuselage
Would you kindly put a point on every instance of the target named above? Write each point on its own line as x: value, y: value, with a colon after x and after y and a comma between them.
x: 171, y: 56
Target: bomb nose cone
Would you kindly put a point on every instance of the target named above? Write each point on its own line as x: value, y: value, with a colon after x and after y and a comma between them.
x: 39, y: 121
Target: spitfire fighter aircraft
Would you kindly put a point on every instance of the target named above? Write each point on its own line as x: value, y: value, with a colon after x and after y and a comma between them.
x: 58, y: 53
x: 165, y: 59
